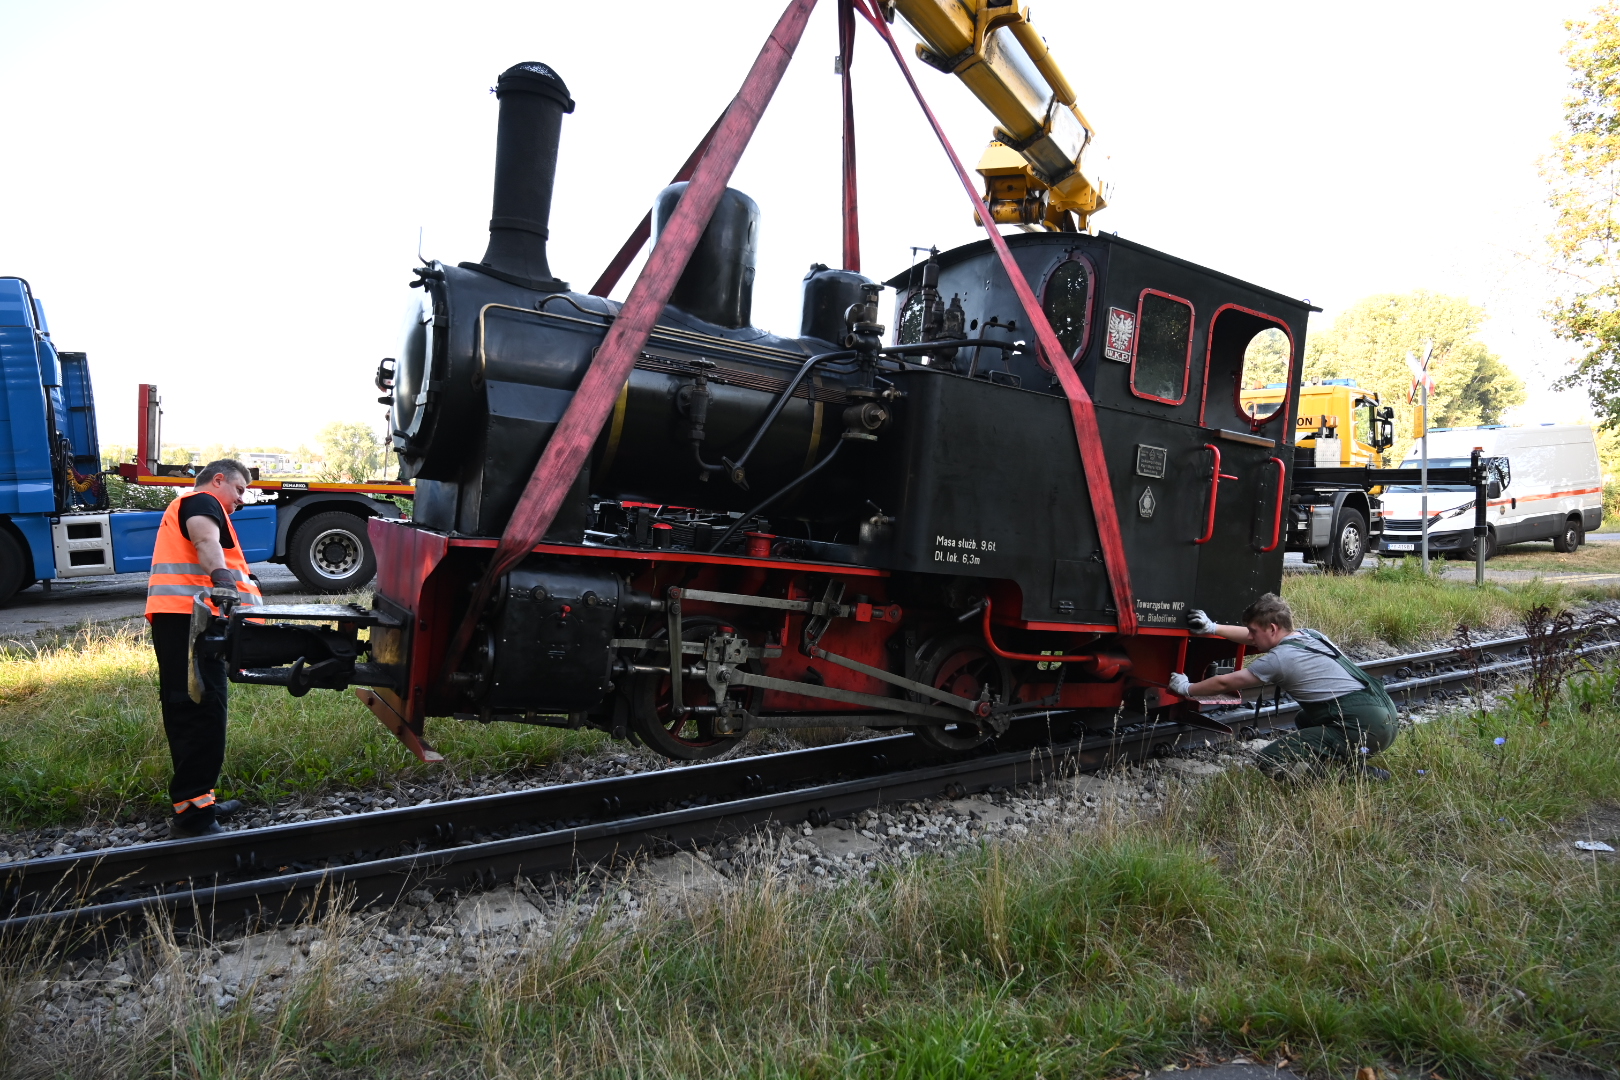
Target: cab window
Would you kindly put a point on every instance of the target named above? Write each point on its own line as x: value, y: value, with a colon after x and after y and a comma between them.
x: 909, y: 332
x: 1066, y: 299
x: 1250, y: 358
x: 1163, y: 347
x: 1265, y: 360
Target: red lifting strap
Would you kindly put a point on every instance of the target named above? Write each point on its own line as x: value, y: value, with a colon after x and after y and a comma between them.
x: 577, y: 432
x: 852, y: 214
x: 1080, y: 405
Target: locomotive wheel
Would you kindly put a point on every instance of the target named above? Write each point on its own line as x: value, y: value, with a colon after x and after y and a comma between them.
x: 691, y: 738
x: 962, y: 665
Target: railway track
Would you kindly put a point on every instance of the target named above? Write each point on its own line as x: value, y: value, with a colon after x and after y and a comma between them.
x: 275, y: 873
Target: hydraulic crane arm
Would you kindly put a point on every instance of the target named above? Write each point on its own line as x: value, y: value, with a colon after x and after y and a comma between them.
x: 1032, y: 170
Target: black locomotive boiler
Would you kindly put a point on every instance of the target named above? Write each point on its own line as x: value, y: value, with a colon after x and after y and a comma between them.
x: 840, y: 527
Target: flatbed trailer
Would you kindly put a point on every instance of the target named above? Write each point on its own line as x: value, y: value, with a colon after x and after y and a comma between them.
x: 56, y: 522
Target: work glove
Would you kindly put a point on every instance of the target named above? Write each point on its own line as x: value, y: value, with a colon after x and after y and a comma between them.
x: 1179, y: 684
x: 224, y: 587
x: 1201, y: 623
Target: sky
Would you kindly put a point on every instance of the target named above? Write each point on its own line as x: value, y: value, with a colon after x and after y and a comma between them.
x: 226, y: 199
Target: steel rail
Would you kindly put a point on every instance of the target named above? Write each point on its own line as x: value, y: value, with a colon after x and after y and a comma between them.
x: 266, y: 874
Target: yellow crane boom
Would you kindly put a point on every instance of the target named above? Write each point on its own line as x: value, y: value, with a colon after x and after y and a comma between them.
x: 1032, y: 169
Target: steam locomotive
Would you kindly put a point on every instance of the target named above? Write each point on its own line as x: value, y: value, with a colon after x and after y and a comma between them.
x: 842, y: 528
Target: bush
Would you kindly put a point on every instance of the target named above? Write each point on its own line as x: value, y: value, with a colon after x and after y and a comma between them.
x: 123, y: 495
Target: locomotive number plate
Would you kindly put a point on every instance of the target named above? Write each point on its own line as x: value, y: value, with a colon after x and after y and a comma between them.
x: 1150, y: 461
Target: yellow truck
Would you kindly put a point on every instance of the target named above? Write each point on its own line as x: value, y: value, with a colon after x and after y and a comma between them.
x: 1338, y: 421
x: 1339, y: 425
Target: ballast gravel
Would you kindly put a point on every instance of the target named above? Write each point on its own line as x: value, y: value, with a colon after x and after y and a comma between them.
x: 619, y: 761
x: 432, y: 935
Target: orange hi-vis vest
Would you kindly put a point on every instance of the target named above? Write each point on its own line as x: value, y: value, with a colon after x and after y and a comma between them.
x: 178, y: 578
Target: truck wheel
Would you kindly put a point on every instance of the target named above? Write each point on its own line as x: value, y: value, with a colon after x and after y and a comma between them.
x: 332, y: 553
x: 13, y: 567
x: 1569, y: 538
x: 1349, y: 545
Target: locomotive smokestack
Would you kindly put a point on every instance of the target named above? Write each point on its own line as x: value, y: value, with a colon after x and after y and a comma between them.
x: 533, y: 100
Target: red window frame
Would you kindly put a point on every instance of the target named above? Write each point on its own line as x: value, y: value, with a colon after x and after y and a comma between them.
x: 1091, y: 301
x: 1237, y: 384
x: 1136, y: 345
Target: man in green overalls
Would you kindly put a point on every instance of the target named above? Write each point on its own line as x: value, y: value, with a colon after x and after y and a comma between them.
x: 1345, y: 715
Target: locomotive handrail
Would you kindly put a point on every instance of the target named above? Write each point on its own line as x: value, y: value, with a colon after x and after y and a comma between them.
x: 990, y: 640
x: 1214, y: 494
x: 951, y: 343
x: 1282, y: 497
x: 483, y: 363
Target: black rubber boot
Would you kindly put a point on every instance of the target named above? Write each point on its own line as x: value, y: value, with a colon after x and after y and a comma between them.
x: 225, y: 809
x: 194, y: 823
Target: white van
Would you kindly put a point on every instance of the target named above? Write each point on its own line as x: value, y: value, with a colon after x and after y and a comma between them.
x: 1554, y: 491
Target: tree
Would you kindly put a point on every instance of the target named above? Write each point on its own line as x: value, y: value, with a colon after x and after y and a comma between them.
x: 170, y: 454
x: 1265, y: 360
x: 1583, y: 177
x: 1370, y: 342
x: 1608, y: 445
x: 354, y: 452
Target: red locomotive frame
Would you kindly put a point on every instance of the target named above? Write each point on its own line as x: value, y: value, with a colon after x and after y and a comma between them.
x: 421, y: 579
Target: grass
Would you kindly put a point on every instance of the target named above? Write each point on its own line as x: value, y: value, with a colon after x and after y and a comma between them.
x: 81, y: 736
x: 1598, y: 558
x: 1436, y: 924
x: 1398, y: 605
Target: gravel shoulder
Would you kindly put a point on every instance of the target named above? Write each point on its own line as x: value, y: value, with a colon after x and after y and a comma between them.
x: 433, y: 935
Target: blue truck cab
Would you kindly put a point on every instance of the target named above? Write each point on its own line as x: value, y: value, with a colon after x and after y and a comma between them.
x: 55, y: 521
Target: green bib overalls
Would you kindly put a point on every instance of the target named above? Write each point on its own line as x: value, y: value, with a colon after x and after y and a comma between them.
x: 1334, y: 731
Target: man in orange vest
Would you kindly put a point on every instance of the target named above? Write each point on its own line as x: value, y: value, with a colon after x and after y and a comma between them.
x: 197, y: 556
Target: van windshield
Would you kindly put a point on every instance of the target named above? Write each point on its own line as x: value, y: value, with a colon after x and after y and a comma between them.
x: 1434, y: 463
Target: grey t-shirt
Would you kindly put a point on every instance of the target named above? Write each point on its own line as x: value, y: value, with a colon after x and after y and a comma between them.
x: 1308, y: 676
